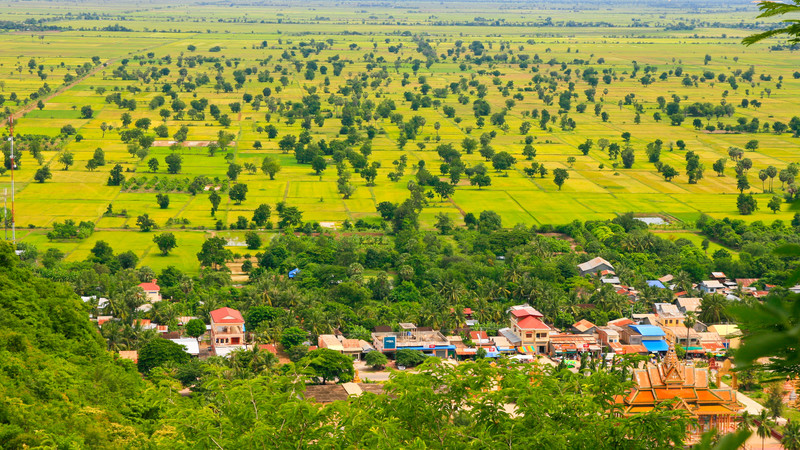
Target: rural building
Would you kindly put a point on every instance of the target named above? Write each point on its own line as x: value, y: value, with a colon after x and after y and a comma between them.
x: 227, y: 328
x: 685, y: 337
x: 730, y: 334
x: 689, y: 304
x: 152, y: 291
x: 353, y: 348
x: 584, y: 327
x: 573, y: 344
x: 527, y: 325
x: 190, y: 345
x: 711, y: 286
x: 594, y: 266
x: 668, y: 315
x: 429, y: 342
x: 650, y: 336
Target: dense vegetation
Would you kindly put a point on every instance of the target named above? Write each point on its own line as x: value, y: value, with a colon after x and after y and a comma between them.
x: 83, y: 396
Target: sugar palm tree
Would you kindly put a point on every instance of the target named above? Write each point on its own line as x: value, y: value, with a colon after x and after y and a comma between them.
x: 764, y: 428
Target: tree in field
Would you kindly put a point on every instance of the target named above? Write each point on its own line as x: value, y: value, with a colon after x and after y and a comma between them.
x: 746, y: 204
x: 719, y: 166
x: 560, y: 175
x: 628, y: 157
x: 165, y: 242
x: 145, y: 223
x: 43, y: 174
x: 152, y: 164
x: 233, y: 171
x: 444, y: 223
x: 215, y: 199
x: 174, y: 162
x: 668, y: 172
x: 762, y: 175
x: 289, y: 216
x: 87, y: 112
x: 67, y: 159
x: 376, y: 360
x: 480, y: 180
x: 195, y: 328
x: 270, y: 166
x: 772, y: 172
x: 162, y: 200
x: 529, y: 152
x: 775, y: 204
x: 742, y: 183
x: 469, y: 145
x: 213, y: 253
x: 318, y: 164
x: 444, y: 189
x: 503, y: 161
x: 116, y: 178
x: 261, y: 214
x: 160, y: 351
x: 238, y: 193
x: 585, y: 147
x: 253, y: 240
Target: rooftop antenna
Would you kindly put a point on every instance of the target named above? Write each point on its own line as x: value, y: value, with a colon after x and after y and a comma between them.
x: 13, y: 165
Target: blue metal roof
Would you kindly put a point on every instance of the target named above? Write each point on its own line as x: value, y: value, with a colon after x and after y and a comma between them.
x: 648, y: 330
x: 656, y: 284
x: 655, y: 346
x: 293, y: 273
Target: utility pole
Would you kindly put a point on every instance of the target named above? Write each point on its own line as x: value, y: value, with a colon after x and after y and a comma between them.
x: 5, y: 211
x: 13, y: 165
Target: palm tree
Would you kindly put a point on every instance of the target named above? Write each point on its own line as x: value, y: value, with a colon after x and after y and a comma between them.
x: 684, y: 281
x: 747, y: 421
x: 764, y: 429
x: 791, y: 436
x: 713, y: 308
x: 689, y: 321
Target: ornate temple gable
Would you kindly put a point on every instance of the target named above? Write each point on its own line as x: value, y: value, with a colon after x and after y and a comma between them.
x: 671, y: 372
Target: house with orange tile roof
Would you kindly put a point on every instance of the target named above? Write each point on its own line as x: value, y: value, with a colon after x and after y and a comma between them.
x: 227, y: 328
x: 152, y: 291
x: 689, y: 389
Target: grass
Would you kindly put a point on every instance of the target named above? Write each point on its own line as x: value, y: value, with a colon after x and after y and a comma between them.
x: 595, y: 189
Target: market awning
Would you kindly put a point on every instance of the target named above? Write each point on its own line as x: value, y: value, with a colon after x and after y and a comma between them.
x: 655, y: 346
x: 527, y: 349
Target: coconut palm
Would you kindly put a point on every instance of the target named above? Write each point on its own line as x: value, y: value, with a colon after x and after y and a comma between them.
x: 791, y: 436
x: 747, y: 421
x: 764, y: 428
x: 689, y: 321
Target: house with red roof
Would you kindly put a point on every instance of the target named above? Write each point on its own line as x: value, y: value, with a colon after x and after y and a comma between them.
x: 152, y: 291
x: 532, y: 333
x: 227, y: 328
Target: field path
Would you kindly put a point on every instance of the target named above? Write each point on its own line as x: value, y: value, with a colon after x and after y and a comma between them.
x: 20, y: 113
x: 29, y: 107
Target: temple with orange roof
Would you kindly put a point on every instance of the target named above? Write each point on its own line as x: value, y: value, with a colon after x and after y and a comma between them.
x: 689, y: 387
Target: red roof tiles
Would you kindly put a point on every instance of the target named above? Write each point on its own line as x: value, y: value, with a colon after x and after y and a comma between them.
x: 226, y: 315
